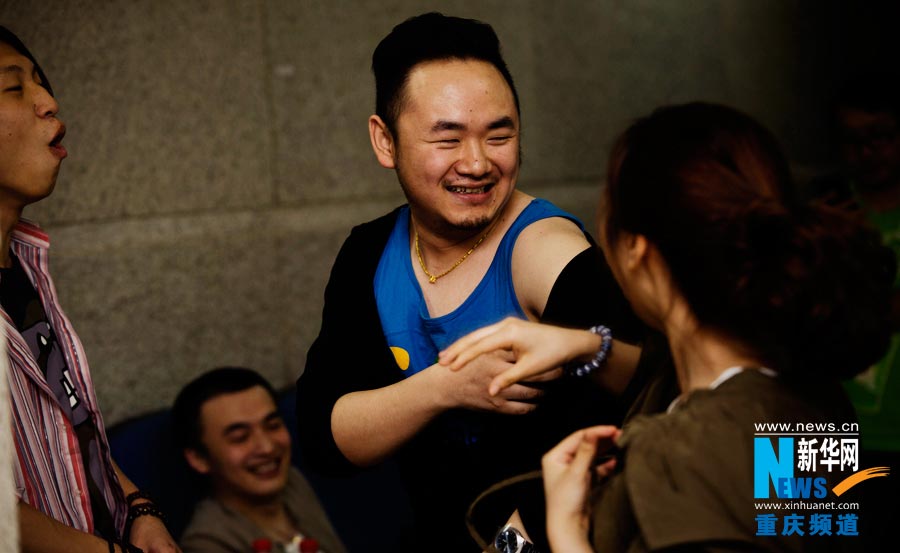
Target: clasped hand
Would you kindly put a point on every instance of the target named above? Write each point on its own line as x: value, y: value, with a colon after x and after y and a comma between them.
x: 538, y: 350
x: 466, y: 386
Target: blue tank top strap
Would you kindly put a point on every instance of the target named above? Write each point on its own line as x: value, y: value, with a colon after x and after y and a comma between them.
x: 413, y: 336
x: 535, y: 211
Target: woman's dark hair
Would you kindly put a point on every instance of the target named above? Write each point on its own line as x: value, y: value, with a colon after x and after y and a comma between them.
x: 806, y: 287
x: 7, y: 37
x: 216, y: 382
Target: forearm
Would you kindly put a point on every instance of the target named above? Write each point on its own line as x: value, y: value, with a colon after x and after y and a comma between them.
x: 147, y: 532
x: 619, y: 368
x: 128, y: 487
x: 621, y: 362
x: 370, y: 425
x: 39, y: 533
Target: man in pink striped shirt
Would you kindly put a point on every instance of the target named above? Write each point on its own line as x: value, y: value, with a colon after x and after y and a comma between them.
x: 71, y: 495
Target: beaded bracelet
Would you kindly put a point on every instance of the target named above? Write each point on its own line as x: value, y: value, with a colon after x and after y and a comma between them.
x: 581, y: 370
x: 145, y: 509
x: 137, y: 495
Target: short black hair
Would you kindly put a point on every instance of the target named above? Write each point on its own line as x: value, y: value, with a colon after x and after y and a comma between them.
x: 214, y: 383
x: 8, y: 37
x: 430, y: 37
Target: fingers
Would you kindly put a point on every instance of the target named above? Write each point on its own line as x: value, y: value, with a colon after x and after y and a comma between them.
x: 526, y: 369
x: 490, y: 338
x: 516, y: 408
x: 492, y: 342
x: 564, y: 451
x: 546, y: 376
x: 518, y: 392
x: 603, y: 432
x: 461, y: 347
x: 507, y: 378
x: 605, y: 468
x: 584, y: 455
x: 505, y: 355
x: 516, y: 400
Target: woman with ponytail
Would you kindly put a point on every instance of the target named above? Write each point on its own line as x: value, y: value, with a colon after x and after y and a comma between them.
x: 765, y: 301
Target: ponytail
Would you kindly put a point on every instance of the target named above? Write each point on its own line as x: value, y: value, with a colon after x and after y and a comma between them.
x: 806, y: 287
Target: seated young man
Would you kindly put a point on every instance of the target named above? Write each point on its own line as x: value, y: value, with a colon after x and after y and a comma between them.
x: 228, y: 425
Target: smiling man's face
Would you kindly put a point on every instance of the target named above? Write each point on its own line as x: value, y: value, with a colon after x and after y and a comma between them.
x: 248, y: 448
x: 457, y: 149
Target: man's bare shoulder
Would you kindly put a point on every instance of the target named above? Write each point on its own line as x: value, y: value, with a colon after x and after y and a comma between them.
x: 542, y: 251
x: 552, y: 234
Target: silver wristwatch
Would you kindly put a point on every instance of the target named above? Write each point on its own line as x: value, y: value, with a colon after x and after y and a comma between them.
x: 511, y: 540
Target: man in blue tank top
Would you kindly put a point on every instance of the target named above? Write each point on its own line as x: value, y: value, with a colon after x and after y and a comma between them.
x: 467, y: 250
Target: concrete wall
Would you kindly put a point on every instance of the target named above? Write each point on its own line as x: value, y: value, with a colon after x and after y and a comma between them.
x: 9, y: 527
x: 219, y: 154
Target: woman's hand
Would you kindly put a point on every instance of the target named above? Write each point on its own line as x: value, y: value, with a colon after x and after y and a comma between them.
x: 539, y: 350
x: 568, y: 472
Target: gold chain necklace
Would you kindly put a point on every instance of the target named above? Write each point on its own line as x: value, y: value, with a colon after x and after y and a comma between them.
x: 433, y: 278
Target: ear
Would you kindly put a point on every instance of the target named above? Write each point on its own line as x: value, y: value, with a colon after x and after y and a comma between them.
x: 636, y: 250
x: 382, y: 142
x: 197, y: 461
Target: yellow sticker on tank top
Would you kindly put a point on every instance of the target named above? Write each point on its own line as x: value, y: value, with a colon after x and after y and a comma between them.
x: 401, y: 356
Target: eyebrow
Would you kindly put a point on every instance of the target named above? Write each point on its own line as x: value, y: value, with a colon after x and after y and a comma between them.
x: 244, y: 425
x: 504, y: 122
x: 443, y: 125
x: 11, y: 69
x: 236, y: 426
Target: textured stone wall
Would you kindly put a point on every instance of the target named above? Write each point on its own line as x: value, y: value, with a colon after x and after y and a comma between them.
x: 219, y: 153
x: 9, y: 527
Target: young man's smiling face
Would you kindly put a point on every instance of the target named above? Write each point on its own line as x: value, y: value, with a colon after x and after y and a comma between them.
x: 30, y: 133
x: 457, y: 146
x: 248, y: 448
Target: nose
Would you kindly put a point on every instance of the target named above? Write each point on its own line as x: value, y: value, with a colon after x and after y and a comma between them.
x: 45, y: 105
x: 264, y: 443
x: 473, y: 161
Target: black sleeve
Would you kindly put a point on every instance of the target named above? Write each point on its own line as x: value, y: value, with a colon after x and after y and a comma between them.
x: 585, y: 294
x: 349, y: 354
